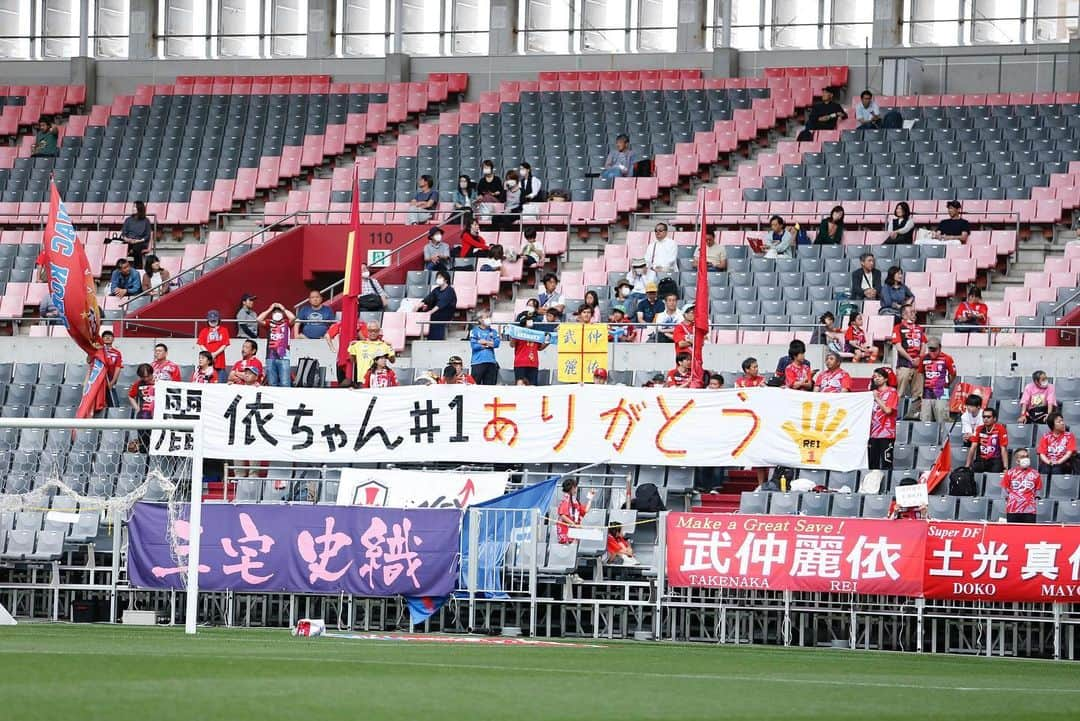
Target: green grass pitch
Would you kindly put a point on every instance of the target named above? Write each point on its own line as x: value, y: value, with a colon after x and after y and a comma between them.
x: 81, y: 673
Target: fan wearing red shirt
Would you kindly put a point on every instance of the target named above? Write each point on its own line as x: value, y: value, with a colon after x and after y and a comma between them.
x: 833, y: 378
x: 619, y: 549
x: 883, y: 419
x: 908, y: 338
x: 971, y: 315
x: 204, y: 372
x: 1057, y: 449
x: 750, y: 377
x: 939, y: 374
x: 378, y: 375
x: 989, y: 450
x: 855, y: 341
x: 798, y: 375
x: 248, y: 360
x: 683, y: 334
x: 214, y: 339
x: 679, y: 376
x: 571, y: 511
x: 114, y: 361
x: 1021, y: 484
x: 164, y: 369
x: 141, y: 398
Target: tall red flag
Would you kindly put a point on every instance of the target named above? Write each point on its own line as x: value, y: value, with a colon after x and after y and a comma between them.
x: 74, y: 293
x: 701, y: 310
x: 941, y: 468
x: 350, y: 309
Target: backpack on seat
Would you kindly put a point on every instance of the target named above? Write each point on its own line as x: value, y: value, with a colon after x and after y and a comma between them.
x: 962, y: 482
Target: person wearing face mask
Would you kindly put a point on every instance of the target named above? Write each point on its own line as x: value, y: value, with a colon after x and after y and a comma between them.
x: 464, y: 200
x: 436, y: 252
x: 278, y: 320
x: 214, y: 339
x: 638, y: 277
x: 527, y: 354
x: 442, y: 303
x: 939, y: 380
x: 512, y: 202
x: 1057, y: 449
x: 883, y: 419
x: 489, y: 188
x: 372, y: 295
x: 483, y: 340
x: 831, y: 230
x: 1022, y: 484
x: 531, y: 187
x: 989, y: 451
x: 1038, y: 399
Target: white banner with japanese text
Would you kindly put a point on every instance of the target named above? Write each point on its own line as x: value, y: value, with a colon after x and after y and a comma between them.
x: 516, y: 424
x: 402, y: 488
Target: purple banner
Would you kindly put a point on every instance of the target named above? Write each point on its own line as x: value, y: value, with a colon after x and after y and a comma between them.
x: 302, y: 549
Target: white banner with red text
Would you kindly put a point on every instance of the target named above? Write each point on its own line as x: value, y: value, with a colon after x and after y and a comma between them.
x: 515, y: 424
x: 401, y: 488
x: 932, y: 559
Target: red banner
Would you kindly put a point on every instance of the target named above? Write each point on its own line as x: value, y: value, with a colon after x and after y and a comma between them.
x: 795, y: 553
x: 931, y: 559
x: 74, y: 293
x: 1002, y: 562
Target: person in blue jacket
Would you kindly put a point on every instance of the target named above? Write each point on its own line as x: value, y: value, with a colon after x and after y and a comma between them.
x: 483, y: 340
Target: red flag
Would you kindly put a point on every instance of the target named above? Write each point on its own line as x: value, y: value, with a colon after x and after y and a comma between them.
x: 941, y: 468
x: 701, y: 310
x: 74, y: 293
x: 350, y: 310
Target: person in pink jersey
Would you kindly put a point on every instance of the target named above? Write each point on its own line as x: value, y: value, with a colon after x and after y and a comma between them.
x: 164, y: 369
x: 1021, y: 484
x: 832, y: 378
x: 1057, y: 449
x: 883, y: 419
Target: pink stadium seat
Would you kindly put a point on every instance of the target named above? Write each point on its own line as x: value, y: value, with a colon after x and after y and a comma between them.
x: 954, y: 340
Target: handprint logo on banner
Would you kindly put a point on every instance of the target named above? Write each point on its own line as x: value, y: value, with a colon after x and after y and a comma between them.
x: 817, y: 434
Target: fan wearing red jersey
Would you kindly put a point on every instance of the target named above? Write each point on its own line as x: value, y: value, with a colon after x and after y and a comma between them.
x: 164, y: 369
x: 908, y: 339
x: 1021, y: 484
x: 833, y: 378
x: 1057, y: 449
x: 939, y: 376
x: 679, y: 376
x: 798, y: 375
x: 883, y: 419
x: 379, y: 375
x: 750, y: 377
x: 989, y: 451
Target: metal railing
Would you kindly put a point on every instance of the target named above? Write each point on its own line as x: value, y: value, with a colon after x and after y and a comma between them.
x: 1002, y: 58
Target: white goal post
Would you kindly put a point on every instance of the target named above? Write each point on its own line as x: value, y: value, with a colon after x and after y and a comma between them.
x: 195, y: 513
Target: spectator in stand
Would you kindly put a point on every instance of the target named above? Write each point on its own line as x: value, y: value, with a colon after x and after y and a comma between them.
x: 593, y: 301
x: 278, y: 319
x: 795, y: 347
x: 250, y: 377
x: 46, y: 140
x: 638, y: 277
x: 619, y: 550
x: 972, y: 314
x: 825, y: 113
x: 750, y: 377
x: 442, y: 304
x: 425, y: 202
x: 483, y: 340
x: 204, y: 370
x: 650, y: 307
x: 1022, y: 484
x: 901, y: 226
x: 827, y: 334
x: 831, y: 230
x: 214, y: 339
x: 247, y: 320
x: 489, y: 189
x: 666, y: 320
x: 883, y: 419
x: 436, y: 252
x: 532, y: 252
x: 908, y: 339
x: 620, y: 330
x: 379, y: 375
x: 164, y: 369
x: 124, y: 281
x: 895, y: 296
x: 472, y: 243
x: 600, y: 377
x: 551, y: 298
x: 373, y: 296
x: 584, y: 313
x: 679, y: 376
x: 715, y: 380
x: 623, y: 292
x: 114, y: 362
x: 531, y: 188
x: 1038, y: 399
x: 954, y: 227
x: 715, y: 255
x: 833, y: 378
x: 939, y: 381
x: 141, y: 398
x: 454, y: 373
x: 571, y: 511
x: 512, y: 204
x: 866, y: 279
x: 464, y: 200
x: 661, y: 255
x: 798, y: 375
x: 1057, y: 449
x: 971, y: 418
x: 48, y: 311
x: 779, y: 241
x: 867, y: 112
x: 136, y: 232
x: 989, y: 449
x: 155, y: 278
x: 373, y: 334
x: 558, y: 195
x: 683, y: 335
x: 527, y: 355
x: 620, y: 161
x: 855, y: 343
x: 249, y: 352
x: 314, y: 317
